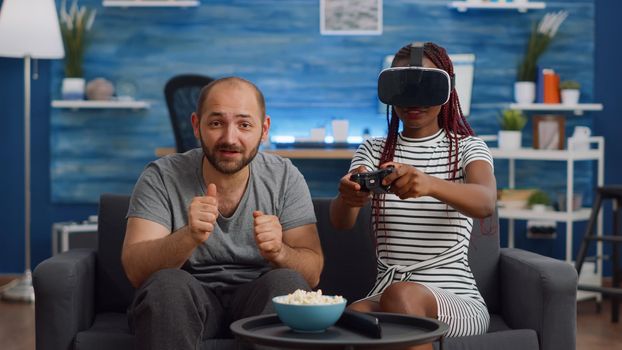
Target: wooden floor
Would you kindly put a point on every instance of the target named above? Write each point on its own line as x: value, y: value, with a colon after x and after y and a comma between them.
x: 594, y: 330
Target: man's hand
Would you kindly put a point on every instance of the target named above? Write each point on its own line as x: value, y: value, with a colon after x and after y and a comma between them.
x: 350, y: 191
x: 202, y: 215
x: 268, y: 235
x: 407, y: 181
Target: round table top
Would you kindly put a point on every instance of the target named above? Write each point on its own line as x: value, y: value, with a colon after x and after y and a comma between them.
x: 397, y: 330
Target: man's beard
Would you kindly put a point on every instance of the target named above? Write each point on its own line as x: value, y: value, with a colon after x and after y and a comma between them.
x: 228, y: 166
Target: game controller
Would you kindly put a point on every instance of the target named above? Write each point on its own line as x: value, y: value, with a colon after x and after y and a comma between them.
x: 372, y: 181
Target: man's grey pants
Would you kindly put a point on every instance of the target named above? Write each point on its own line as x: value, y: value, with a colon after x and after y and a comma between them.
x: 173, y: 310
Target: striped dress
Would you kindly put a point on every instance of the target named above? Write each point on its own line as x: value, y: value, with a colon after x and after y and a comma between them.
x: 423, y: 239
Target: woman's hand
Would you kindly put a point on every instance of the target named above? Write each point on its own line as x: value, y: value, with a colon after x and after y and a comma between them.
x: 407, y: 181
x: 350, y: 192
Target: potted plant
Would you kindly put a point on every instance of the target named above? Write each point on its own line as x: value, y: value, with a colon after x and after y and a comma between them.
x: 541, y: 36
x: 570, y: 91
x: 512, y: 121
x: 538, y: 201
x: 75, y: 26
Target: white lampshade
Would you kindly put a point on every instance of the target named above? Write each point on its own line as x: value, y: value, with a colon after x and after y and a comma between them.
x: 30, y: 28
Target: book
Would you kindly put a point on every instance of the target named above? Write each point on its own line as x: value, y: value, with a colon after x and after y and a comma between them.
x: 539, y: 85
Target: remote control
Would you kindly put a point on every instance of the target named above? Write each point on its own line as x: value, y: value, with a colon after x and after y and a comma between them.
x: 360, y: 322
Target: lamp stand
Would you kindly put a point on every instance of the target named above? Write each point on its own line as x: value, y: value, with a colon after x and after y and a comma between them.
x: 23, y: 290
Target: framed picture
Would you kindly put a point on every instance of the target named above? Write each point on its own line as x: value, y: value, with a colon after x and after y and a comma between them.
x: 351, y: 17
x: 548, y: 131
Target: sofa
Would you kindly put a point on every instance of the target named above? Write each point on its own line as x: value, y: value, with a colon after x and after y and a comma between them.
x: 82, y: 295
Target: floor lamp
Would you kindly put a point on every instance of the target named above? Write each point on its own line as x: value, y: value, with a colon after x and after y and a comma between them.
x: 28, y: 29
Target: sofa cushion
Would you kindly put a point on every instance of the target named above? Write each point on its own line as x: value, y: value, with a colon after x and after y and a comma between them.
x: 111, y: 331
x: 113, y: 290
x: 349, y: 255
x: 484, y: 260
x: 516, y: 339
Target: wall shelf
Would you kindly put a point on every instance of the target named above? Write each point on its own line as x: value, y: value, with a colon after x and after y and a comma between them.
x: 151, y: 3
x: 578, y: 109
x: 561, y: 216
x: 78, y: 104
x: 520, y: 6
x: 541, y: 154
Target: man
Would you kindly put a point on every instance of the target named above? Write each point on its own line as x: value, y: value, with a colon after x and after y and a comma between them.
x: 214, y: 233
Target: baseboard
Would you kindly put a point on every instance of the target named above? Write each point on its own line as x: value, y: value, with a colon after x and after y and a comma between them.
x: 607, y: 281
x: 7, y: 281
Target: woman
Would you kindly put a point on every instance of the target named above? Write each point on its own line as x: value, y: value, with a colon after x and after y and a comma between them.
x: 443, y: 178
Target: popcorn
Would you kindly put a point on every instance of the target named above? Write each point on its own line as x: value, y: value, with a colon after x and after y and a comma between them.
x: 301, y: 297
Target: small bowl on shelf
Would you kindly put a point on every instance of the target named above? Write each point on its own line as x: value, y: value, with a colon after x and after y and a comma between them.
x: 309, y: 318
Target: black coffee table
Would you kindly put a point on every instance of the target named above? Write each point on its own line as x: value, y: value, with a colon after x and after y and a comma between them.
x: 397, y: 330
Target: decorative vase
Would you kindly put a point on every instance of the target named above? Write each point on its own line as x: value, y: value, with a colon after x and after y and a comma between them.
x: 570, y: 96
x: 73, y: 89
x: 340, y: 130
x: 99, y: 89
x: 524, y: 91
x: 539, y: 207
x: 509, y: 139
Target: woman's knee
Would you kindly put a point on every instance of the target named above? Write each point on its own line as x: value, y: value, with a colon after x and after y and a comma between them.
x: 409, y: 297
x: 365, y: 306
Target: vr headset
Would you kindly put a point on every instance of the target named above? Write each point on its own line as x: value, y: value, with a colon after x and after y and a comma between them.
x: 414, y: 85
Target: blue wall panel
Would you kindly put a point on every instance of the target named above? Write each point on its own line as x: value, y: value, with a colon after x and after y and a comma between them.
x: 304, y: 75
x: 308, y: 79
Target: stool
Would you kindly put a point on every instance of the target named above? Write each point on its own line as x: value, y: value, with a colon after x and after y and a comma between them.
x: 615, y: 238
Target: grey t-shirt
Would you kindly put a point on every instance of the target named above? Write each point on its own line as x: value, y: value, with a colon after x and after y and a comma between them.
x: 230, y: 255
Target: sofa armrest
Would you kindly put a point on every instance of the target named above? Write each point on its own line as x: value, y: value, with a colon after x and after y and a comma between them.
x: 539, y: 293
x: 65, y: 298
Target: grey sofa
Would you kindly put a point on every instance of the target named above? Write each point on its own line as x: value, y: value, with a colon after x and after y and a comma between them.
x: 82, y: 295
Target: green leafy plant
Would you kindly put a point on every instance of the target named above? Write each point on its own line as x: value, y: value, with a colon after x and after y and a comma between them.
x: 538, y: 197
x: 512, y: 119
x: 75, y: 26
x: 569, y: 85
x: 541, y: 36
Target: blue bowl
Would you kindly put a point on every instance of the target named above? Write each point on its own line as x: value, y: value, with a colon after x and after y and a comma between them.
x: 308, y: 318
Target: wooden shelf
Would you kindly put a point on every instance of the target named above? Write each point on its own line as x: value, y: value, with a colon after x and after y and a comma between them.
x: 578, y: 109
x: 151, y: 3
x: 79, y: 104
x: 520, y: 6
x: 310, y: 153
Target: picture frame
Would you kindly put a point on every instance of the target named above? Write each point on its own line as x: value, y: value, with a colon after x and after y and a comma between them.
x: 549, y: 132
x: 350, y: 17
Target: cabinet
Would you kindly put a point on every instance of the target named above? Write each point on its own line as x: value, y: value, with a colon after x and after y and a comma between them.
x: 578, y: 109
x: 569, y: 216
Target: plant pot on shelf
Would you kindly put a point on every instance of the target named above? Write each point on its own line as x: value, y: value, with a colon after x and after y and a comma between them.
x: 539, y: 208
x: 509, y: 139
x: 73, y: 89
x: 524, y: 92
x: 570, y: 96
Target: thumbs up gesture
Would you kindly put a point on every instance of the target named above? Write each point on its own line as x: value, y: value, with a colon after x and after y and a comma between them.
x: 268, y: 235
x: 202, y: 215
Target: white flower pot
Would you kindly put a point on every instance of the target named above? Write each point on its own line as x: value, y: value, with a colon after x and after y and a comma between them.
x: 539, y: 207
x: 73, y: 89
x: 570, y: 96
x: 524, y: 91
x: 509, y: 139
